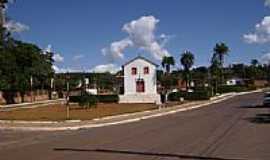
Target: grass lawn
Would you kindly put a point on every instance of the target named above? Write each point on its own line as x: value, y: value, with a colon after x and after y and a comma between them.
x: 58, y: 112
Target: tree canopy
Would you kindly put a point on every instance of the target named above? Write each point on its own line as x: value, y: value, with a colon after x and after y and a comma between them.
x: 21, y: 62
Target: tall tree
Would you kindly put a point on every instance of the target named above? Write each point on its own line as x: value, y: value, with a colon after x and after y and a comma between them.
x: 187, y: 60
x: 215, y: 72
x: 220, y: 51
x: 253, y: 69
x: 2, y: 19
x: 167, y: 62
x: 19, y: 64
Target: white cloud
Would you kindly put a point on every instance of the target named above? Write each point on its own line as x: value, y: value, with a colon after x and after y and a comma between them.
x: 58, y: 58
x: 141, y: 34
x: 261, y: 34
x: 16, y: 27
x: 164, y: 39
x: 267, y: 3
x: 78, y: 57
x: 266, y: 58
x: 65, y: 70
x: 48, y: 49
x: 115, y: 51
x: 57, y: 69
x: 112, y: 68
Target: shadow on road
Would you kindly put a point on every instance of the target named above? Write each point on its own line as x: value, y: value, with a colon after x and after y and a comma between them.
x: 254, y: 107
x: 143, y: 154
x: 260, y: 119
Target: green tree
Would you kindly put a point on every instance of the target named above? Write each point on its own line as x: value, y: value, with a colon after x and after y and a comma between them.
x: 2, y: 19
x: 254, y: 62
x: 220, y: 51
x: 167, y: 62
x: 187, y: 60
x: 19, y: 62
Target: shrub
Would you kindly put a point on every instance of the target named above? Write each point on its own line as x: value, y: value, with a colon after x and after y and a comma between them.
x: 99, y: 98
x: 198, y: 95
x: 203, y: 94
x: 175, y: 96
x: 238, y: 88
x: 87, y: 100
x: 108, y: 98
x: 75, y: 99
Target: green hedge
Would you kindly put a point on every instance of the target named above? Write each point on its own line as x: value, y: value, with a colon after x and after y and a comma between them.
x: 75, y: 99
x: 198, y: 95
x: 238, y: 88
x: 192, y: 96
x: 108, y: 98
x: 87, y: 100
x: 100, y: 98
x: 175, y: 96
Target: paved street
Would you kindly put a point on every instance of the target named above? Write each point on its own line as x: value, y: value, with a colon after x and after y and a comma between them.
x: 238, y: 128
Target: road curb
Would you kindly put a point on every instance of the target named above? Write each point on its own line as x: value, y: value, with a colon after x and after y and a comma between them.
x: 94, y: 123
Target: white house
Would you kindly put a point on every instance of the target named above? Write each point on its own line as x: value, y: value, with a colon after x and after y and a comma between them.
x: 140, y: 82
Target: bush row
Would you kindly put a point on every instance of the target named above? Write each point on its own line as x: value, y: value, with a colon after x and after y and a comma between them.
x: 196, y: 95
x: 228, y: 89
x: 99, y: 98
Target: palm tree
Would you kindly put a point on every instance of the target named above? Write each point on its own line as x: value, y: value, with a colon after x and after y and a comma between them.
x: 220, y: 51
x: 254, y: 62
x: 167, y: 62
x: 187, y: 60
x: 2, y: 19
x: 254, y: 68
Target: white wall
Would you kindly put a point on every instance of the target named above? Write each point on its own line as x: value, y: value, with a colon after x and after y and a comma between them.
x: 149, y: 79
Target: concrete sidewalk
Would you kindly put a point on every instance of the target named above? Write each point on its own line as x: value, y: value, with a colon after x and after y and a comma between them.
x: 113, y: 120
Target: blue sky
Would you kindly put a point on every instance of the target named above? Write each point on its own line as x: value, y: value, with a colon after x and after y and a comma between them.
x: 78, y: 29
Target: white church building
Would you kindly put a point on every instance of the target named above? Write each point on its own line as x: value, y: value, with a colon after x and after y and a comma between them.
x: 140, y: 81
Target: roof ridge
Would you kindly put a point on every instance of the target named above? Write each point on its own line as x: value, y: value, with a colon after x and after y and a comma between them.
x: 140, y: 57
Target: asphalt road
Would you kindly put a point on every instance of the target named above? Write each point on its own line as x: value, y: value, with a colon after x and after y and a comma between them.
x: 236, y: 129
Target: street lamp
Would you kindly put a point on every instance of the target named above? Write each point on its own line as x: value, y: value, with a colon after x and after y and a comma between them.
x: 67, y: 95
x: 31, y: 88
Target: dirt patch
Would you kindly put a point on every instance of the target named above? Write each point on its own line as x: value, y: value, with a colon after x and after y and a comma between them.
x: 58, y: 112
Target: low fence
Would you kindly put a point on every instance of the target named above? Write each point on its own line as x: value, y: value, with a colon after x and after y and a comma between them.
x: 38, y: 95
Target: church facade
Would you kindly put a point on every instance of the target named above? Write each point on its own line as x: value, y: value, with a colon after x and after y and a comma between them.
x: 140, y: 82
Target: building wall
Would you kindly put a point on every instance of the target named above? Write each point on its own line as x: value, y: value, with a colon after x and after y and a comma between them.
x: 149, y: 79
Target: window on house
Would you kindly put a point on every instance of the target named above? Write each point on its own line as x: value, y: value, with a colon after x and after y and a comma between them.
x: 133, y: 71
x: 146, y: 70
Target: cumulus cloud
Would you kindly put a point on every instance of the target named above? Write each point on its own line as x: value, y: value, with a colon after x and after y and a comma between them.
x: 58, y: 58
x: 141, y: 34
x: 16, y: 27
x: 267, y: 3
x: 48, y: 49
x: 57, y: 69
x: 115, y: 51
x: 261, y: 34
x: 111, y: 68
x: 266, y: 58
x: 65, y: 70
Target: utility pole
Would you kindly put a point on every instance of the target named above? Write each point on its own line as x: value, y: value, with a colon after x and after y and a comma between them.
x: 2, y: 19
